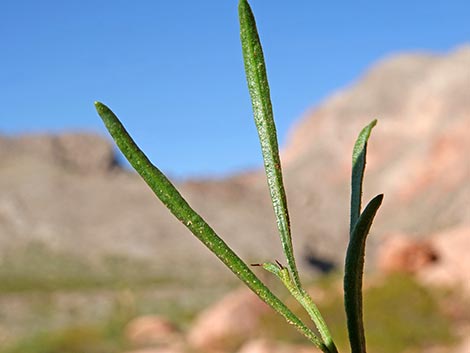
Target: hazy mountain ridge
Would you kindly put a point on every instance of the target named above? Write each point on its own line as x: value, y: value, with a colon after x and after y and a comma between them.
x: 418, y: 153
x: 68, y: 193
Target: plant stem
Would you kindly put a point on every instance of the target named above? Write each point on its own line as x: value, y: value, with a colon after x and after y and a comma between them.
x: 305, y: 300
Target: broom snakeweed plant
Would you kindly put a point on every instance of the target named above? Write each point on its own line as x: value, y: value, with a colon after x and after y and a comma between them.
x: 360, y: 222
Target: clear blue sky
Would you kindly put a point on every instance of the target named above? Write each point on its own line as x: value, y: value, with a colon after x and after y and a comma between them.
x: 173, y: 71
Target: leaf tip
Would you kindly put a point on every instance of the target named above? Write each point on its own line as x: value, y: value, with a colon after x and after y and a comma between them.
x: 103, y: 110
x: 378, y: 199
x: 242, y: 3
x: 244, y: 10
x: 367, y: 130
x: 100, y: 107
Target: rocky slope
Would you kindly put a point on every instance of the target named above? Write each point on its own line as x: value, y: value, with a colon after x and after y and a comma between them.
x: 67, y: 194
x: 418, y: 154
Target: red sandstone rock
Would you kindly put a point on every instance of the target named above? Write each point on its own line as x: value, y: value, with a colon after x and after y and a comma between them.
x: 404, y: 254
x: 453, y: 267
x: 265, y: 346
x: 150, y: 329
x: 227, y: 323
x: 159, y: 350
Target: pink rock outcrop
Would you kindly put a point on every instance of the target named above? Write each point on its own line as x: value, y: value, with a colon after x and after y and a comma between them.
x: 150, y: 329
x: 266, y: 346
x: 169, y: 349
x: 400, y: 253
x: 227, y: 323
x: 453, y: 267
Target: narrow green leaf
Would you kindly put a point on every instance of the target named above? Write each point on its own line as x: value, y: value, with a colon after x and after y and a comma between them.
x: 178, y: 206
x: 354, y: 268
x: 358, y: 167
x: 258, y: 86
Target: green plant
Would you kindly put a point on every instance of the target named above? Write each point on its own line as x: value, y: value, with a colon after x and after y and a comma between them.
x: 263, y: 115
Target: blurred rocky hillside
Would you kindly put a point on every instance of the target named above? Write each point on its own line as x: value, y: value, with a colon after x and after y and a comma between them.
x: 67, y: 195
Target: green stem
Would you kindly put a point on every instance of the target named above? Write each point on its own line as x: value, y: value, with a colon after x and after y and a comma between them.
x: 305, y: 300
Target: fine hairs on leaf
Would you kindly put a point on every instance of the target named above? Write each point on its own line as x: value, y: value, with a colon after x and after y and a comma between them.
x: 258, y: 87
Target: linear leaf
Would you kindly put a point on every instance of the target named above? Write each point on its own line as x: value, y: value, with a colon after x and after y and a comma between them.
x: 354, y: 268
x: 358, y: 167
x: 178, y: 206
x: 258, y: 86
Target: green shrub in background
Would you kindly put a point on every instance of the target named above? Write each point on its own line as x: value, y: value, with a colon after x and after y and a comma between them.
x: 400, y: 315
x: 360, y: 221
x: 85, y: 336
x: 99, y: 338
x: 389, y: 303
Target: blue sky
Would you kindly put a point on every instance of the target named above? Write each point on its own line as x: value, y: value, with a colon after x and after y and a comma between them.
x: 173, y: 72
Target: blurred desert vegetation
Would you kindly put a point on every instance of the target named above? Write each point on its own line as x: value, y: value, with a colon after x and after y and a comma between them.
x: 413, y: 317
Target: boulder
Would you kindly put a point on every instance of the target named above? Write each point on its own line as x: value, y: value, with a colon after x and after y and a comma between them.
x: 150, y: 329
x: 266, y: 346
x: 168, y: 349
x: 228, y: 323
x: 401, y: 253
x: 453, y: 267
x: 464, y: 345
